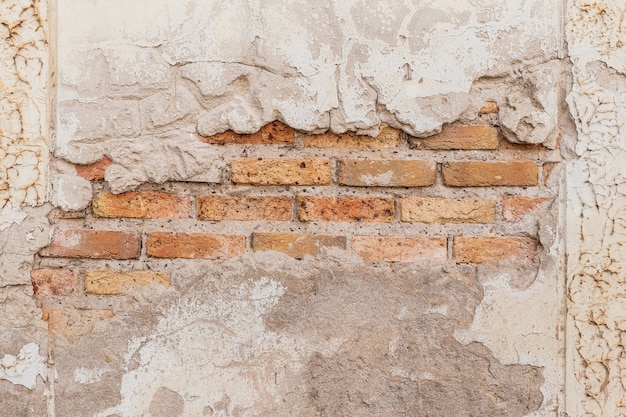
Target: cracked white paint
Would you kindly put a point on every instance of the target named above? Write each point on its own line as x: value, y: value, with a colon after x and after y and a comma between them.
x: 23, y: 107
x: 24, y: 368
x: 596, y: 33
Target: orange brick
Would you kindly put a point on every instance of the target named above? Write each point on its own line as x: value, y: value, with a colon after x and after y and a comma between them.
x: 387, y: 173
x: 458, y: 137
x: 399, y: 248
x: 346, y: 209
x: 74, y: 322
x: 275, y: 133
x: 493, y: 249
x: 446, y: 210
x: 485, y: 174
x: 514, y: 208
x: 506, y: 145
x: 110, y: 282
x: 295, y: 245
x: 142, y: 205
x: 194, y: 245
x: 55, y: 281
x: 96, y: 244
x: 224, y: 207
x: 489, y: 107
x: 281, y: 171
x: 95, y: 171
x: 388, y: 137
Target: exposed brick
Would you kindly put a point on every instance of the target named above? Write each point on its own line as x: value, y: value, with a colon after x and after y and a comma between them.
x: 388, y: 137
x: 96, y: 244
x: 346, y: 209
x: 399, y: 248
x: 514, y: 208
x: 485, y: 174
x: 295, y: 245
x: 489, y: 107
x: 55, y: 281
x: 95, y: 171
x: 142, y: 205
x: 110, y: 282
x: 493, y: 249
x: 194, y: 245
x: 275, y: 133
x: 281, y: 171
x: 446, y: 210
x: 387, y: 173
x: 224, y: 207
x: 459, y: 137
x: 74, y: 322
x: 506, y: 145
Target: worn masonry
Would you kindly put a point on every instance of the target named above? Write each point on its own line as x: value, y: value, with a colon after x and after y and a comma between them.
x: 334, y: 208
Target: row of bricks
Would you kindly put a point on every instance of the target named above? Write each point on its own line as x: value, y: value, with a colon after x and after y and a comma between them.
x: 310, y: 208
x: 369, y: 173
x: 103, y: 244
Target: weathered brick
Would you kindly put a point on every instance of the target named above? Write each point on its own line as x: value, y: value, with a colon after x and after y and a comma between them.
x: 110, y: 282
x: 194, y: 245
x: 96, y: 244
x: 74, y: 322
x: 346, y: 209
x: 225, y: 207
x: 446, y: 210
x: 55, y: 281
x: 514, y: 208
x: 142, y: 205
x: 548, y: 167
x: 387, y: 173
x: 95, y: 171
x: 493, y: 248
x: 459, y: 137
x: 489, y: 107
x: 294, y: 244
x: 281, y: 171
x: 485, y: 174
x: 399, y: 248
x: 388, y: 137
x: 275, y: 133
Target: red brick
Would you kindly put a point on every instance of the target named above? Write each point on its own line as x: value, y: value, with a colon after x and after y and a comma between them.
x: 387, y: 173
x: 96, y: 244
x: 74, y: 322
x: 55, y: 281
x: 514, y: 208
x: 486, y: 174
x: 493, y: 249
x: 459, y: 137
x: 489, y: 107
x: 142, y: 205
x: 95, y: 171
x: 281, y: 171
x: 388, y: 137
x: 446, y: 210
x: 346, y: 209
x: 194, y: 245
x: 275, y: 133
x: 295, y: 245
x: 111, y: 282
x: 225, y: 207
x: 399, y: 248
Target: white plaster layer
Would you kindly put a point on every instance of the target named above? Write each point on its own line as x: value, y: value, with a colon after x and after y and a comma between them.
x: 24, y: 368
x: 596, y: 33
x: 181, y: 69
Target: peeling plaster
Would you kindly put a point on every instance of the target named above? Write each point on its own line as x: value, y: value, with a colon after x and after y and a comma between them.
x: 24, y: 368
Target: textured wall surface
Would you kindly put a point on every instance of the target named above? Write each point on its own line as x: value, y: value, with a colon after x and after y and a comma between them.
x: 596, y: 217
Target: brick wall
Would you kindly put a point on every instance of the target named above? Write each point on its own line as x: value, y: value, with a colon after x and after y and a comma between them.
x: 464, y: 195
